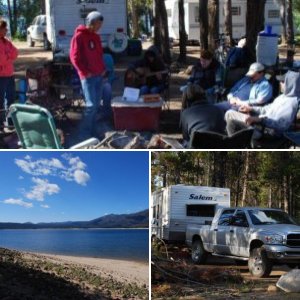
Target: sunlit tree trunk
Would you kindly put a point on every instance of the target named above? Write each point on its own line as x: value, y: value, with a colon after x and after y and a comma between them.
x: 228, y: 21
x: 213, y: 23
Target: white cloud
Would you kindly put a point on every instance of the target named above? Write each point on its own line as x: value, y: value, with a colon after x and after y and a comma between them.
x: 21, y: 177
x: 81, y: 177
x: 42, y: 188
x: 18, y: 202
x: 45, y: 206
x: 74, y: 168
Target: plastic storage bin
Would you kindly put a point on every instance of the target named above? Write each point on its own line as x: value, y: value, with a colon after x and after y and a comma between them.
x: 136, y: 116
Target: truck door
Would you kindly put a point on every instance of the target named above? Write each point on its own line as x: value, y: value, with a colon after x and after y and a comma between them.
x: 239, y: 235
x: 221, y: 232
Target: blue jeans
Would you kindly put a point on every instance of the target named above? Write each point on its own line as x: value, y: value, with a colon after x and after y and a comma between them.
x: 106, y: 99
x: 7, y: 95
x: 151, y: 90
x: 92, y: 91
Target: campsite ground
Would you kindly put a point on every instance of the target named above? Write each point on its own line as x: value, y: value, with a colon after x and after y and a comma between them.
x: 177, y: 277
x: 169, y: 122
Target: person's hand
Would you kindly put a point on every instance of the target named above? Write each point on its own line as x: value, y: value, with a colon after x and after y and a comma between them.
x: 234, y: 100
x: 105, y: 74
x: 245, y: 108
x: 252, y: 120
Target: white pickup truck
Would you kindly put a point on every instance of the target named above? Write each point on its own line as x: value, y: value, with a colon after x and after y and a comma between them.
x: 261, y: 236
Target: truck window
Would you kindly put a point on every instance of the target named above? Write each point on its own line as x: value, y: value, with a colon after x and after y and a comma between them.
x: 225, y: 217
x: 202, y: 210
x: 269, y: 217
x: 240, y: 219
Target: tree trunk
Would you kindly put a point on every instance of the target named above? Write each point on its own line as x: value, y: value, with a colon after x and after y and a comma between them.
x: 283, y: 20
x: 135, y: 20
x: 285, y: 195
x: 289, y: 23
x: 213, y: 23
x: 245, y: 178
x: 203, y: 22
x: 270, y: 197
x: 255, y: 18
x: 43, y: 8
x: 228, y: 21
x: 182, y: 32
x: 161, y: 30
x: 9, y: 15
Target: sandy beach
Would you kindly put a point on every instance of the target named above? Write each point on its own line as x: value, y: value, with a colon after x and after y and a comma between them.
x: 120, y: 270
x: 38, y: 276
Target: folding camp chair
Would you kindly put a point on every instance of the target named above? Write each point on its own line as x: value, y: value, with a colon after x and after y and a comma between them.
x: 36, y: 129
x: 213, y: 140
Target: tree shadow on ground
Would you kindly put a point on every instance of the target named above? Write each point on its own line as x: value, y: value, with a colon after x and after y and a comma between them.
x: 19, y: 282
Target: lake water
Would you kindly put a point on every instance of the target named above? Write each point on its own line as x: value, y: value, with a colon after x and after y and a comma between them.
x: 127, y: 244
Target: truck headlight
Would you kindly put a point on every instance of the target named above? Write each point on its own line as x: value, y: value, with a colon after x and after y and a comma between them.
x: 273, y: 239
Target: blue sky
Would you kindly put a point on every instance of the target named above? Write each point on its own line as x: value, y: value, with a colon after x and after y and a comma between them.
x: 72, y: 186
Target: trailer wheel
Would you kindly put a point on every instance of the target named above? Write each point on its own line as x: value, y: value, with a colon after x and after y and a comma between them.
x: 259, y: 264
x: 199, y: 254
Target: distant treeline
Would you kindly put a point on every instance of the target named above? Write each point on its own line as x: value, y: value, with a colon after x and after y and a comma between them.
x: 135, y: 220
x: 268, y: 179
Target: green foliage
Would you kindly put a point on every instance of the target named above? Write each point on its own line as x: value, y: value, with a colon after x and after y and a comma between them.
x: 272, y: 179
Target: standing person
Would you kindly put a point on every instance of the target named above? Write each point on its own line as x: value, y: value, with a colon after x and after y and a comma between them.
x: 86, y: 55
x: 8, y: 54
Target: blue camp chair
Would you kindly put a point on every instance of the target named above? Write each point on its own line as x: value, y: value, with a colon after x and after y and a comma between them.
x: 36, y: 129
x: 109, y: 64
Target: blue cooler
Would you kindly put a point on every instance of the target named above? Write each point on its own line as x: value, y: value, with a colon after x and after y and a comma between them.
x: 21, y: 89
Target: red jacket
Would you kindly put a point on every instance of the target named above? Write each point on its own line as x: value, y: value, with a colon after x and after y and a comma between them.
x: 8, y: 54
x: 86, y: 52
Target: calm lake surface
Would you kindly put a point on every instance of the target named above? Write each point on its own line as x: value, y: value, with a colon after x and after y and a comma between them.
x: 127, y: 244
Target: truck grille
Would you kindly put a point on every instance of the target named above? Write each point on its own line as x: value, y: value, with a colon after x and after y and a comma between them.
x: 293, y: 240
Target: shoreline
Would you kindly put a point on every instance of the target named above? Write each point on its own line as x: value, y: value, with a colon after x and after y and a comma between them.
x: 125, y: 271
x: 28, y: 275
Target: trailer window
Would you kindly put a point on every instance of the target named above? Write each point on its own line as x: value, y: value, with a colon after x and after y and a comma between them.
x: 154, y: 212
x: 200, y: 210
x: 236, y: 10
x: 273, y: 14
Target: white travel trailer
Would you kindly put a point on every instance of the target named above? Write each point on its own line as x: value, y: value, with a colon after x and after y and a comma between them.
x: 272, y: 17
x: 64, y: 16
x: 176, y: 206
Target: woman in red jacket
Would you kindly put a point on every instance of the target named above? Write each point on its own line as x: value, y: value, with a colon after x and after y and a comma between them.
x: 8, y: 54
x: 86, y: 55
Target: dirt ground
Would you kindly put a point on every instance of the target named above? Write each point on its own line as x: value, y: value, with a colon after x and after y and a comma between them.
x: 170, y: 116
x: 219, y: 278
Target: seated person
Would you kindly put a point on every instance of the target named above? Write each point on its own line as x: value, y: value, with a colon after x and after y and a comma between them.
x: 253, y: 89
x: 201, y: 115
x: 203, y: 74
x: 278, y: 116
x: 237, y: 56
x: 148, y: 74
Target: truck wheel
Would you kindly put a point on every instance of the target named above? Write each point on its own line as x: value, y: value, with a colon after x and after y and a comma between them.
x: 30, y: 42
x: 199, y: 255
x: 258, y: 263
x: 46, y: 43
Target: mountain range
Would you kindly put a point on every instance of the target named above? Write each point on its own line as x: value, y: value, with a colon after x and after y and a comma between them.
x: 134, y: 220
